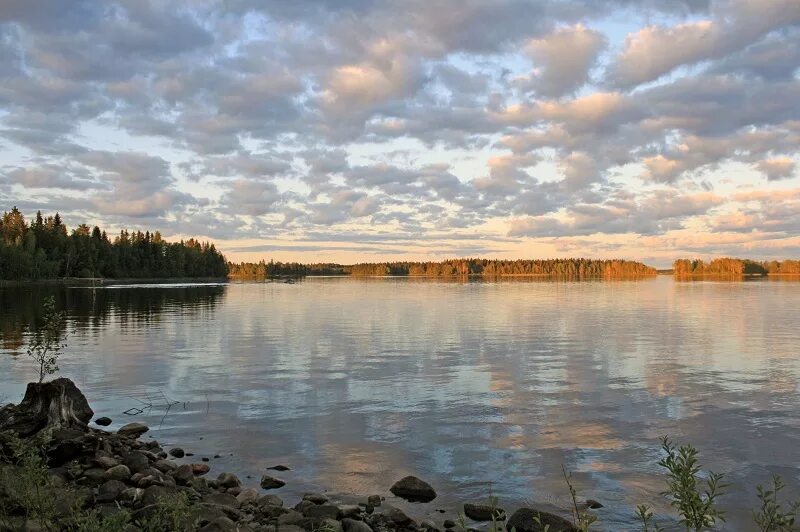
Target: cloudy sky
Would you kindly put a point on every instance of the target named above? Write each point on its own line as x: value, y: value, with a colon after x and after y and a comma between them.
x: 344, y: 130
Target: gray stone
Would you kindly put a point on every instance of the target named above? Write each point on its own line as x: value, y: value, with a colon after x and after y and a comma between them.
x: 133, y: 429
x: 136, y: 461
x: 183, y: 474
x: 484, y: 512
x: 118, y: 472
x: 155, y: 494
x: 322, y: 511
x: 316, y: 498
x: 374, y: 500
x: 110, y: 490
x: 349, y: 510
x: 221, y: 499
x: 270, y: 500
x: 165, y: 466
x: 106, y: 462
x: 269, y: 483
x: 221, y: 524
x: 413, y: 489
x: 525, y: 520
x: 103, y: 421
x: 248, y: 495
x: 353, y: 525
x: 228, y: 480
x: 397, y: 516
x: 291, y: 517
x: 177, y: 452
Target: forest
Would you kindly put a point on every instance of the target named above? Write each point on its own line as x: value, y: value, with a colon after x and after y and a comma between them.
x: 566, y: 268
x: 46, y: 249
x: 735, y: 267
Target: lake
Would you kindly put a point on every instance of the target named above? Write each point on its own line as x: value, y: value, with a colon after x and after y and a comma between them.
x: 477, y: 387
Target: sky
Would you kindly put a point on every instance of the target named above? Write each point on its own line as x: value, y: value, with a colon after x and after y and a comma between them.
x: 365, y: 130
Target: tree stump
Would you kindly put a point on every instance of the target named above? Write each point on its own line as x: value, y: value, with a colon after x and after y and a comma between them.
x: 57, y: 404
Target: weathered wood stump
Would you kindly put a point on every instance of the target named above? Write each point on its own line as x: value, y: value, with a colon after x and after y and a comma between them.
x: 57, y: 404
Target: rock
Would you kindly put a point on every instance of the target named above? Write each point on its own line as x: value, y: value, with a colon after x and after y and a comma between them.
x: 110, y: 491
x: 593, y: 504
x: 449, y: 523
x: 177, y: 452
x: 316, y: 498
x: 374, y: 500
x: 270, y: 500
x: 136, y: 461
x: 183, y: 474
x: 106, y: 462
x: 322, y: 511
x: 524, y: 520
x: 270, y: 483
x: 290, y: 528
x: 228, y: 480
x: 236, y: 490
x: 352, y: 525
x: 291, y: 517
x: 248, y: 495
x: 131, y: 495
x: 103, y: 421
x: 118, y: 472
x: 413, y: 489
x: 397, y: 516
x: 310, y: 524
x: 221, y: 524
x: 349, y: 510
x: 280, y: 467
x: 94, y: 476
x: 222, y: 499
x: 303, y: 505
x: 53, y: 405
x: 156, y: 494
x: 204, y: 459
x: 133, y: 429
x: 484, y: 512
x: 200, y: 469
x: 429, y: 525
x: 165, y: 466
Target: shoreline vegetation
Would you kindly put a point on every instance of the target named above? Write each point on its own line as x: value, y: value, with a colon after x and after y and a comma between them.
x: 46, y: 250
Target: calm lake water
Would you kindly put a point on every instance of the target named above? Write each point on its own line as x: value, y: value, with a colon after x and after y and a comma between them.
x: 477, y: 387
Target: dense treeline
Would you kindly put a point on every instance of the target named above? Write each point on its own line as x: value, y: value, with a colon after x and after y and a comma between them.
x: 46, y: 249
x: 735, y: 267
x: 568, y: 268
x: 263, y: 269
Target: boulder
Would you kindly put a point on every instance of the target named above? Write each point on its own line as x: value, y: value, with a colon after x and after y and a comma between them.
x: 270, y: 500
x: 397, y: 517
x: 322, y: 511
x: 110, y: 491
x: 228, y: 480
x: 352, y: 525
x: 200, y: 469
x: 183, y: 474
x: 103, y: 421
x: 156, y: 494
x: 270, y: 483
x: 374, y: 500
x: 56, y: 404
x: 133, y: 430
x: 177, y: 452
x: 349, y: 510
x: 484, y: 512
x: 413, y: 489
x: 118, y: 472
x: 248, y: 495
x: 316, y: 498
x: 136, y: 461
x: 221, y: 499
x: 529, y: 520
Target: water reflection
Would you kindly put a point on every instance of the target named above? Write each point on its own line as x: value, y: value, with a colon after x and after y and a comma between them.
x: 354, y: 382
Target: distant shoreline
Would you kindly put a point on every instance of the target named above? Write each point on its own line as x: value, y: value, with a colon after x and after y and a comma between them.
x: 91, y: 281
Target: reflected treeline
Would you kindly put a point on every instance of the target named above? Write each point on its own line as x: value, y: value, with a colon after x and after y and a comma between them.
x: 89, y: 307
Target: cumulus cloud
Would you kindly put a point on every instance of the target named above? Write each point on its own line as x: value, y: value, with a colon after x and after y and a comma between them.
x: 239, y: 118
x: 563, y: 59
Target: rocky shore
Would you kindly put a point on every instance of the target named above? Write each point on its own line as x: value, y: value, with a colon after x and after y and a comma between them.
x: 91, y: 477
